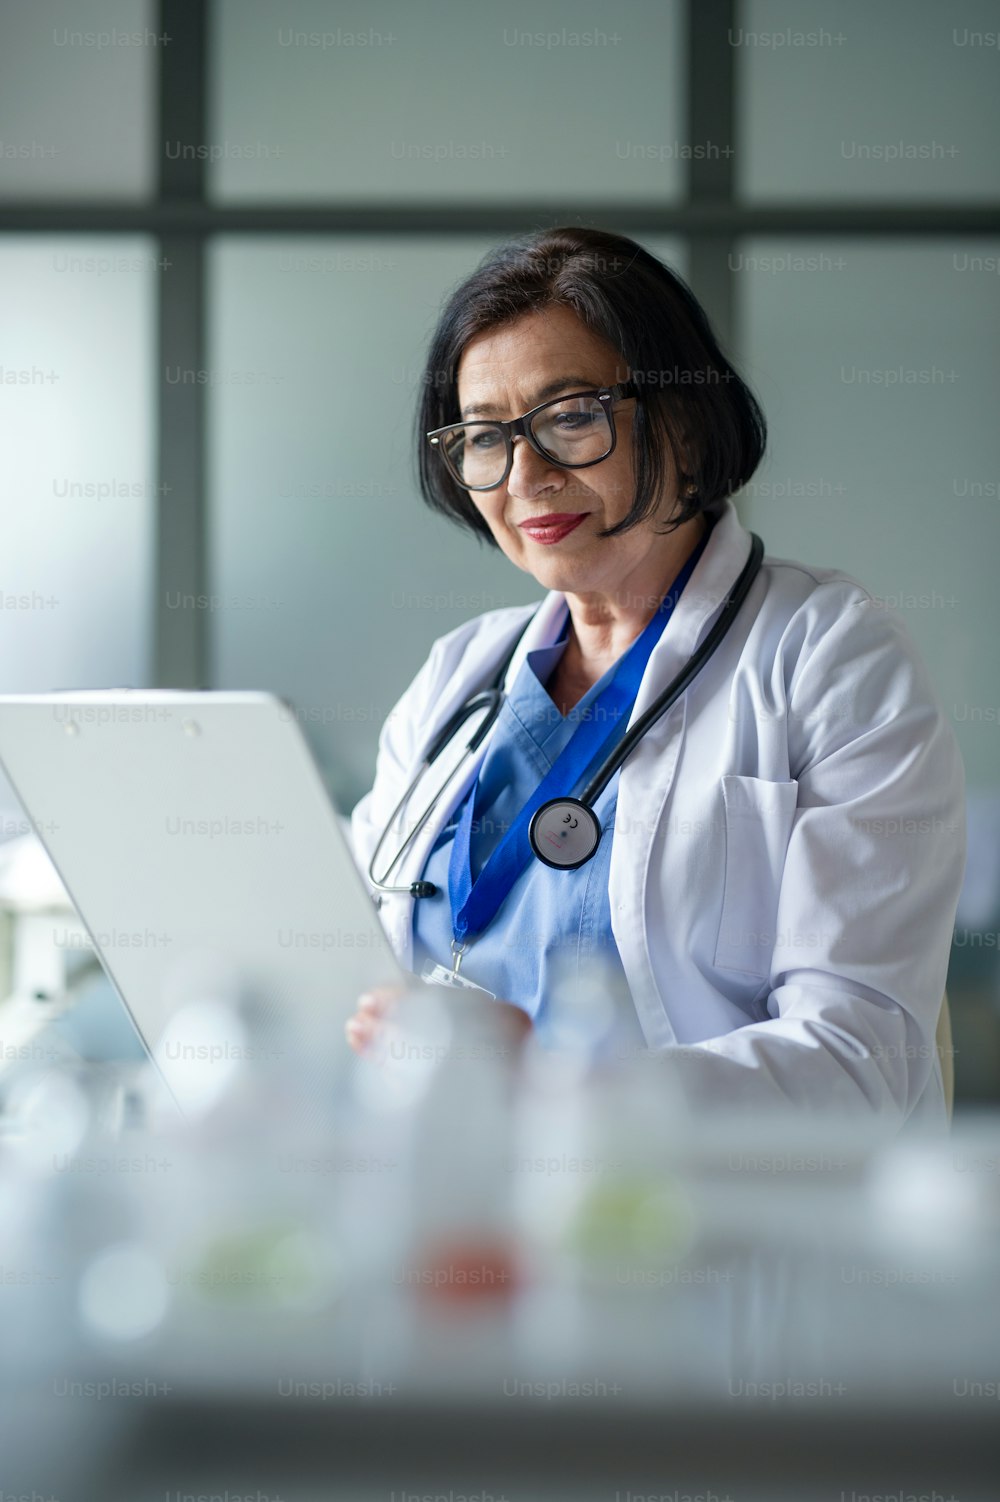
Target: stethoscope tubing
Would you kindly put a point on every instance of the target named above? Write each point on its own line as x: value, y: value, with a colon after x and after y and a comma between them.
x: 613, y: 761
x: 492, y: 699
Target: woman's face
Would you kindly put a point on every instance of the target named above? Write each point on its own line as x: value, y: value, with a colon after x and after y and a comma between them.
x: 504, y: 373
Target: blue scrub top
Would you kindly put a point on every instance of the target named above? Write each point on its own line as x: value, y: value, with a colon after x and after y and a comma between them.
x: 552, y: 925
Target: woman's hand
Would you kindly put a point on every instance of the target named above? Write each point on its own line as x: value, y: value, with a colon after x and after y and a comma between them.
x: 368, y: 1030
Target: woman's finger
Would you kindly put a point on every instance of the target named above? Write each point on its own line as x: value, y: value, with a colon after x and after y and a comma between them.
x: 379, y: 1000
x: 363, y: 1033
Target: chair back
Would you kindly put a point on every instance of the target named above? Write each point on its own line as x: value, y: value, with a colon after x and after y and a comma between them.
x: 946, y: 1053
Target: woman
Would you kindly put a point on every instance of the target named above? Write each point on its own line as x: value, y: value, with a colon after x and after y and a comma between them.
x: 780, y: 856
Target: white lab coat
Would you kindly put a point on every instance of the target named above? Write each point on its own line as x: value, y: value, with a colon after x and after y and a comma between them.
x: 789, y: 841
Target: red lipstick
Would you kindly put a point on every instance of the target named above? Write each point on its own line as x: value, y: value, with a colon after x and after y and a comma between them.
x: 552, y: 527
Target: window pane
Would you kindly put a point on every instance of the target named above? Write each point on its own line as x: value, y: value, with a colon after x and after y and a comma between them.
x: 76, y: 91
x: 76, y: 433
x: 877, y: 368
x: 332, y: 577
x: 869, y: 102
x: 391, y: 101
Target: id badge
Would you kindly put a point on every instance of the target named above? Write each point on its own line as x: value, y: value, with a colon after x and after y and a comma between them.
x: 440, y: 975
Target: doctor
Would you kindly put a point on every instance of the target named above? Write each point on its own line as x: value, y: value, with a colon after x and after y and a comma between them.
x: 776, y: 864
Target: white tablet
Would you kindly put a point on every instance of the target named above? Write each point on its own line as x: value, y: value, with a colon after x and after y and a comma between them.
x: 196, y: 838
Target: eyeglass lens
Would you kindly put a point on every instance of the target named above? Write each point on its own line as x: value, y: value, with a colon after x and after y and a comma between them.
x: 574, y: 432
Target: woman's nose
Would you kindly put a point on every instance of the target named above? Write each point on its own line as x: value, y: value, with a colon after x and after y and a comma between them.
x: 529, y: 472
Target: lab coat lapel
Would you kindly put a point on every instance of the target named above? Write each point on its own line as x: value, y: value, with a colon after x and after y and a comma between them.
x: 709, y: 587
x: 648, y: 775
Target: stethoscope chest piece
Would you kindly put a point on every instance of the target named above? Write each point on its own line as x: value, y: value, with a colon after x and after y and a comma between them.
x: 564, y: 833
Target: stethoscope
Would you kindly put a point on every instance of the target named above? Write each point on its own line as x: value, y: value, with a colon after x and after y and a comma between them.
x: 569, y: 827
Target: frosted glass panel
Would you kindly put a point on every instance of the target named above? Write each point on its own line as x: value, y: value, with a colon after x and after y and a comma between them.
x: 391, y: 101
x: 76, y: 98
x: 332, y: 578
x: 869, y: 102
x: 77, y: 484
x: 878, y: 369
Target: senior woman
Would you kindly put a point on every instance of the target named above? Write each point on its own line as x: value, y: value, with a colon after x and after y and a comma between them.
x: 774, y: 868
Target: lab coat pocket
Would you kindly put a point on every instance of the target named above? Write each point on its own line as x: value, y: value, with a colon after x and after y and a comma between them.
x: 758, y: 821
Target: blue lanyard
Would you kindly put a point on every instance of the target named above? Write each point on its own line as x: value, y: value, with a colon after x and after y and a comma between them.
x: 474, y: 904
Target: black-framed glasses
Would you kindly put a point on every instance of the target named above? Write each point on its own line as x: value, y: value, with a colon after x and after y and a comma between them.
x: 571, y: 431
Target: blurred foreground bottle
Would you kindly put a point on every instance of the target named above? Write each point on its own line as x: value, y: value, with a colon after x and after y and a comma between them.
x: 596, y: 1132
x: 462, y: 1250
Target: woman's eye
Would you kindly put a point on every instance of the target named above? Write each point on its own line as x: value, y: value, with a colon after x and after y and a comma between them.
x: 574, y: 421
x: 484, y: 440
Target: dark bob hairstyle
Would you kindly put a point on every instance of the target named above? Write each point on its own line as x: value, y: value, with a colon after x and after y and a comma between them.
x: 690, y: 397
